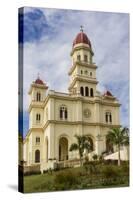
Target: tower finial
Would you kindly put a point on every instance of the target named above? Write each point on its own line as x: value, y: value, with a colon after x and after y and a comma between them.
x: 81, y: 28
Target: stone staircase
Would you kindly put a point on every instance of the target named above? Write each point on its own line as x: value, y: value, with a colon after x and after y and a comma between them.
x: 124, y: 154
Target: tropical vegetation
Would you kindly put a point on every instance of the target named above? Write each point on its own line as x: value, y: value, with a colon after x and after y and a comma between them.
x: 83, y: 143
x: 118, y: 137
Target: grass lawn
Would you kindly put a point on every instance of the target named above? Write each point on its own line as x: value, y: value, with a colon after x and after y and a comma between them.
x: 98, y: 176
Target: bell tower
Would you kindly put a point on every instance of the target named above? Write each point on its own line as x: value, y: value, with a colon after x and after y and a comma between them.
x: 37, y: 93
x: 83, y: 71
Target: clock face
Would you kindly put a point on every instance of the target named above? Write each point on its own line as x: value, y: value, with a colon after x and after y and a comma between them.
x: 87, y: 113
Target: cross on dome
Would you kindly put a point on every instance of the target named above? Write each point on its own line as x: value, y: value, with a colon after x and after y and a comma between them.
x: 81, y: 28
x: 38, y: 80
x: 81, y: 38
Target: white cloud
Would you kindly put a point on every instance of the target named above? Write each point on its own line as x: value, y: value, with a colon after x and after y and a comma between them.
x: 50, y: 56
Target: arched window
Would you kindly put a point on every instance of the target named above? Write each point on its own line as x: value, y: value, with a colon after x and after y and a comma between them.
x: 108, y: 117
x: 37, y: 140
x: 38, y: 118
x: 81, y: 72
x: 78, y: 57
x: 63, y: 112
x: 86, y: 72
x: 91, y: 144
x: 37, y: 156
x: 82, y: 91
x: 90, y: 73
x: 91, y: 92
x: 38, y: 96
x: 85, y: 58
x: 86, y: 91
x: 63, y: 149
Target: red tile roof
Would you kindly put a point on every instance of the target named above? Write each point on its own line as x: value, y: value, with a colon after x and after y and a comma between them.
x: 81, y: 38
x: 108, y: 93
x: 39, y: 81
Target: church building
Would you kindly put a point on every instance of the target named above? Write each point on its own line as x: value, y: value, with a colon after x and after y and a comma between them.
x: 56, y: 117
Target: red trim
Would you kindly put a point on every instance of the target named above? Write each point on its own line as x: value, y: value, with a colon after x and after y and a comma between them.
x: 82, y: 38
x: 39, y: 81
x: 108, y: 93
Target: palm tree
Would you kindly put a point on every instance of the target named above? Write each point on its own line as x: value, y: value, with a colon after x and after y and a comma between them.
x: 83, y: 142
x: 95, y: 157
x: 118, y: 137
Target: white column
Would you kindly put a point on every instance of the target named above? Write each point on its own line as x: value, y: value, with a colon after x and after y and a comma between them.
x: 99, y: 148
x: 97, y: 112
x: 79, y: 111
x: 99, y: 145
x: 51, y: 141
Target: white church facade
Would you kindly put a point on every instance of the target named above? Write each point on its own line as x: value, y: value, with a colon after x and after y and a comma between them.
x: 55, y: 117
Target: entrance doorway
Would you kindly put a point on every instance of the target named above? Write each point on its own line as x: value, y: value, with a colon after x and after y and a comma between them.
x: 63, y: 149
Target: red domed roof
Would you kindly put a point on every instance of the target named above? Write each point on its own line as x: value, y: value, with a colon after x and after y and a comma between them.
x: 39, y: 81
x: 81, y: 38
x: 108, y: 93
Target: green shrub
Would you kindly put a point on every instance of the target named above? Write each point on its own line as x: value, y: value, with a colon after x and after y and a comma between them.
x: 67, y: 178
x: 95, y: 157
x: 110, y: 171
x: 91, y: 167
x: 125, y: 168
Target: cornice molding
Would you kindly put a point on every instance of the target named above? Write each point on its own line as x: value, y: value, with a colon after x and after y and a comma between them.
x: 80, y: 47
x: 83, y: 80
x: 65, y: 122
x: 81, y: 63
x: 75, y: 98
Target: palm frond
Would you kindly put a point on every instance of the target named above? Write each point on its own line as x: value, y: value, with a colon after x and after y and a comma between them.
x: 73, y: 147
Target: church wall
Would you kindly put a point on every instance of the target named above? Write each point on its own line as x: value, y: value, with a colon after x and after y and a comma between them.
x: 33, y: 113
x: 49, y: 135
x: 46, y: 113
x: 29, y: 150
x: 86, y: 72
x: 36, y: 146
x: 114, y: 111
x: 83, y: 118
x: 79, y: 84
x: 90, y: 118
x: 30, y: 147
x: 25, y: 145
x: 67, y: 131
x: 81, y: 53
x: 71, y: 107
x: 34, y: 93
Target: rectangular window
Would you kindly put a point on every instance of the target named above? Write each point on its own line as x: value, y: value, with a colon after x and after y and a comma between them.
x: 38, y: 118
x: 78, y: 58
x: 61, y: 114
x: 106, y: 118
x: 65, y: 114
x: 37, y: 140
x: 85, y: 58
x: 110, y: 118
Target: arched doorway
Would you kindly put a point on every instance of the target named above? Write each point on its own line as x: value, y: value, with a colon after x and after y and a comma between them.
x: 37, y: 156
x: 109, y: 147
x: 63, y: 149
x: 91, y: 144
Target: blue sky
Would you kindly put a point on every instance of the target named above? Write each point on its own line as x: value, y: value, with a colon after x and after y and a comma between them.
x: 47, y: 41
